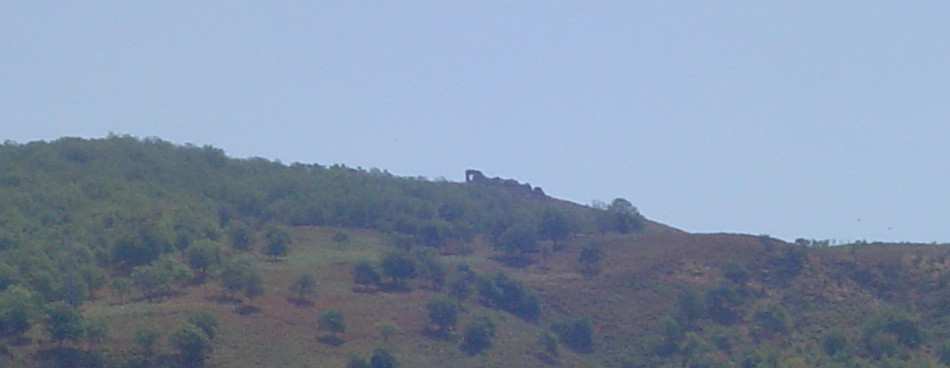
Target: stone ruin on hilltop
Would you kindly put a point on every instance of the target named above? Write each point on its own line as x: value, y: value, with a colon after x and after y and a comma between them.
x: 476, y: 177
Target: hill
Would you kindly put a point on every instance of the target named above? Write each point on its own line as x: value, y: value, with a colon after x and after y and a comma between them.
x: 123, y: 252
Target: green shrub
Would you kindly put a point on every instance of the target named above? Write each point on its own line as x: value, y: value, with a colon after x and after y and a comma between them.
x: 206, y: 321
x: 736, y: 272
x: 192, y: 344
x: 943, y: 352
x: 477, y: 335
x: 894, y: 322
x: 834, y: 343
x: 443, y: 312
x: 770, y: 319
x: 508, y: 294
x: 577, y: 333
x: 721, y: 303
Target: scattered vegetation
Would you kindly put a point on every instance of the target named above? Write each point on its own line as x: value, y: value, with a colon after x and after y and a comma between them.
x: 125, y: 252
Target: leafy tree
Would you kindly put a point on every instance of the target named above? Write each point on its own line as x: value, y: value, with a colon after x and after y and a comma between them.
x: 365, y: 274
x: 590, y: 255
x: 443, y: 312
x: 152, y: 281
x: 332, y: 321
x: 122, y: 286
x: 460, y: 286
x: 624, y: 216
x: 202, y: 256
x: 253, y: 287
x: 357, y: 362
x: 304, y: 285
x: 576, y: 333
x: 278, y: 242
x: 943, y: 352
x: 194, y: 347
x: 73, y: 289
x: 721, y: 303
x: 146, y: 338
x: 477, y: 335
x: 891, y: 324
x: 518, y: 240
x: 431, y: 268
x: 689, y: 307
x: 242, y: 237
x: 63, y: 322
x: 548, y: 343
x: 8, y: 274
x: 834, y: 343
x: 340, y: 238
x: 204, y: 320
x: 554, y: 226
x: 770, y: 319
x: 17, y: 310
x: 789, y: 265
x: 382, y: 358
x: 736, y: 272
x: 388, y: 329
x: 398, y: 266
x: 509, y: 295
x: 96, y: 332
x: 237, y: 275
x: 156, y: 280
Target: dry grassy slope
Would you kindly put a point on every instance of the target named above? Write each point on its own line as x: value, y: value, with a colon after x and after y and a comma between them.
x: 637, y: 283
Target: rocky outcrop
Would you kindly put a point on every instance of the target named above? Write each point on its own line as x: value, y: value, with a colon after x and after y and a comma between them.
x: 476, y: 177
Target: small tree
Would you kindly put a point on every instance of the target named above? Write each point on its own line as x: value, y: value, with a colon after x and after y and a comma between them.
x: 721, y: 303
x: 334, y: 322
x: 365, y: 274
x: 432, y: 269
x: 64, y: 322
x: 202, y: 256
x: 193, y: 346
x: 554, y: 227
x: 388, y: 329
x: 576, y: 333
x: 278, y: 242
x: 518, y: 240
x: 943, y: 352
x: 460, y: 286
x: 357, y: 362
x: 477, y: 335
x: 548, y: 342
x: 834, y: 343
x: 96, y: 332
x: 17, y: 310
x: 253, y: 287
x: 443, y: 312
x: 770, y: 319
x: 304, y: 285
x: 242, y: 237
x: 340, y: 238
x: 398, y: 266
x: 590, y: 255
x: 152, y: 280
x: 236, y: 275
x: 146, y: 339
x: 623, y: 216
x: 206, y: 321
x: 736, y: 272
x: 382, y: 358
x: 122, y: 286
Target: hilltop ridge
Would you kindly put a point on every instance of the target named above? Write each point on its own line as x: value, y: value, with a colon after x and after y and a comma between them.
x: 105, y: 242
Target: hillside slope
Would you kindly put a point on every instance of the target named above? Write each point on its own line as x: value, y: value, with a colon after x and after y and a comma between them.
x: 118, y: 252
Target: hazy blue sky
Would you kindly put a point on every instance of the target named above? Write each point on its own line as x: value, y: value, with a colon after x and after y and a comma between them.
x: 795, y: 119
